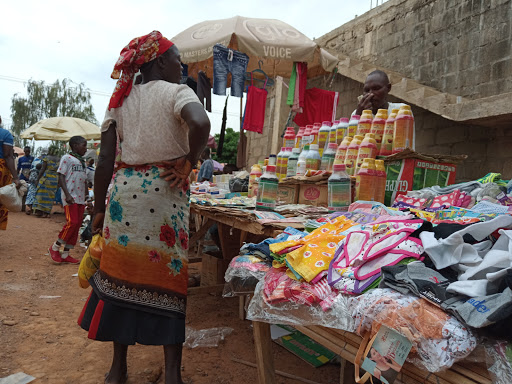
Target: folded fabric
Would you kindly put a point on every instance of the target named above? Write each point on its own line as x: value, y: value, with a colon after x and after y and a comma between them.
x: 263, y: 247
x: 91, y: 261
x: 410, y: 202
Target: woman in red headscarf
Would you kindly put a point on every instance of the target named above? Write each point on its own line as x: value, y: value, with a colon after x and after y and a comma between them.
x: 139, y: 292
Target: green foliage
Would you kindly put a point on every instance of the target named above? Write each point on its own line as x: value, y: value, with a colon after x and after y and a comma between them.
x: 49, y: 100
x: 230, y: 147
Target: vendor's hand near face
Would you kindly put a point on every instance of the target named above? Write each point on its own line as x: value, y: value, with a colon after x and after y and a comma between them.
x: 365, y: 103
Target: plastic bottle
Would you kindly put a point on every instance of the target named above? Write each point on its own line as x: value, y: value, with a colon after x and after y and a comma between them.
x: 292, y: 163
x: 306, y: 139
x: 341, y: 130
x: 386, y: 147
x: 267, y: 190
x: 339, y: 194
x: 255, y: 174
x: 313, y: 159
x: 284, y: 163
x: 323, y: 136
x: 333, y: 132
x: 289, y: 137
x: 351, y: 157
x: 367, y: 150
x: 301, y: 163
x: 404, y: 130
x: 314, y: 133
x: 272, y: 160
x: 328, y: 157
x: 365, y: 122
x: 279, y: 163
x: 365, y: 181
x: 378, y: 124
x: 341, y: 153
x: 352, y: 125
x: 298, y: 138
x: 380, y: 181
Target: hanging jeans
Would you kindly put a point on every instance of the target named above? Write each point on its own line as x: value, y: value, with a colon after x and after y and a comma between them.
x: 226, y: 61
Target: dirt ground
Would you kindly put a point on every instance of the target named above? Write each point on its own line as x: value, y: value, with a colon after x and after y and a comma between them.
x: 44, y: 340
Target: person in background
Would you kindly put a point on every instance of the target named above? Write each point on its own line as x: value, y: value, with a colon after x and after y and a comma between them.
x: 24, y: 164
x: 8, y: 172
x: 32, y: 187
x: 90, y: 172
x: 47, y: 184
x: 163, y: 128
x: 375, y: 94
x: 73, y: 183
x: 206, y: 170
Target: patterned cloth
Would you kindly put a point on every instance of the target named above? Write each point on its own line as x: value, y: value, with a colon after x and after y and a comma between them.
x: 140, y: 50
x: 32, y: 180
x: 5, y: 179
x: 48, y: 184
x: 144, y: 263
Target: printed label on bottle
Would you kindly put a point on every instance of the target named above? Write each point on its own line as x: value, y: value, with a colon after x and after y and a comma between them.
x: 340, y: 134
x: 364, y: 128
x: 364, y: 187
x: 267, y: 194
x: 352, y: 129
x: 322, y: 138
x: 338, y: 195
x: 313, y: 164
x: 291, y: 170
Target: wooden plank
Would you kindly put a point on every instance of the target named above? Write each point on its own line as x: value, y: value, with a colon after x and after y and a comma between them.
x: 219, y: 288
x: 201, y: 231
x: 264, y: 354
x: 241, y: 307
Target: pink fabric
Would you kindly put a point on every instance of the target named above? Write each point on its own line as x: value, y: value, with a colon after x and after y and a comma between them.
x: 254, y: 117
x: 413, y: 202
x: 445, y: 201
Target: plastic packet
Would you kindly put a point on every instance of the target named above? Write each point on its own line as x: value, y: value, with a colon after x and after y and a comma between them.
x: 208, y: 338
x: 439, y: 339
x: 499, y: 354
x: 243, y: 274
x: 289, y: 313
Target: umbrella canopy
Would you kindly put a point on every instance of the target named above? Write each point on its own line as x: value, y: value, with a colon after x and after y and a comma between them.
x: 19, y: 151
x: 62, y: 129
x: 270, y: 43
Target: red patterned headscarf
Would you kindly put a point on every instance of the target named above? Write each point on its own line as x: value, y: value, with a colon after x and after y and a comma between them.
x: 140, y: 50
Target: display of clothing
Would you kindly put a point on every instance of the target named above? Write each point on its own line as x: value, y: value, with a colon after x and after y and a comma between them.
x: 226, y: 61
x: 319, y: 105
x: 254, y: 116
x: 204, y: 90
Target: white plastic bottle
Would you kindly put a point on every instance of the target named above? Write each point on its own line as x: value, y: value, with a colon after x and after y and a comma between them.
x: 339, y: 195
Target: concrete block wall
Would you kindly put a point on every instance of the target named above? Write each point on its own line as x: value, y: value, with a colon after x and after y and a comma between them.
x: 463, y: 47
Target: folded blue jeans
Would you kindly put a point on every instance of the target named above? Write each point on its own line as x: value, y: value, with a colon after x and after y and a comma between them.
x: 226, y: 61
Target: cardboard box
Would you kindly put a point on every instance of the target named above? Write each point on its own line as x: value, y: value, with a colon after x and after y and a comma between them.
x: 410, y: 171
x: 313, y: 194
x: 212, y: 270
x: 287, y: 193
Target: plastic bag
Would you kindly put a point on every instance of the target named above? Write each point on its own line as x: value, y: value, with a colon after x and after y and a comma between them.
x: 91, y: 261
x: 499, y: 361
x: 11, y: 197
x: 210, y: 337
x: 243, y: 274
x: 338, y: 316
x: 439, y: 340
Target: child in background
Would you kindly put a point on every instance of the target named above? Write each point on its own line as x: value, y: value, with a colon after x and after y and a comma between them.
x: 73, y: 181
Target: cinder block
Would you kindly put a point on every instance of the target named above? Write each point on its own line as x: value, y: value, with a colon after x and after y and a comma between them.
x: 501, y: 69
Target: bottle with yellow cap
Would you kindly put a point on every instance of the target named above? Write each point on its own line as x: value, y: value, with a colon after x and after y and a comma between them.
x: 365, y: 181
x: 404, y: 130
x: 380, y: 181
x: 365, y: 122
x: 341, y: 152
x: 351, y: 157
x: 386, y: 147
x: 367, y: 150
x: 378, y: 124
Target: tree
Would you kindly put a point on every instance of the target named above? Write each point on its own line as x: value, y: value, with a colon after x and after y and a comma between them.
x: 44, y: 101
x: 230, y: 147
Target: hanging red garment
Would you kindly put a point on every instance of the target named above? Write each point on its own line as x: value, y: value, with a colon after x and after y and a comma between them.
x: 254, y: 116
x: 319, y: 105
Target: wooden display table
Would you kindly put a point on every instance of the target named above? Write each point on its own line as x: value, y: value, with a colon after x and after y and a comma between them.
x: 346, y: 344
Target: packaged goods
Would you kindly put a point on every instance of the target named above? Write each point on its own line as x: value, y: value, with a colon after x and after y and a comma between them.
x: 339, y: 195
x: 386, y: 147
x: 365, y: 181
x: 378, y: 125
x: 404, y: 130
x: 267, y: 189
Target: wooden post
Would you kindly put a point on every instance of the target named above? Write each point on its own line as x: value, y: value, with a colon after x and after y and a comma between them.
x: 264, y: 355
x: 276, y: 126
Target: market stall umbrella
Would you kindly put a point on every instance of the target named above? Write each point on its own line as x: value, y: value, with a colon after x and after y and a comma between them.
x: 62, y: 129
x: 269, y: 43
x: 19, y: 151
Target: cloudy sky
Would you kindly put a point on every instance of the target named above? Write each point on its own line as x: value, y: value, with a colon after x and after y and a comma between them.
x: 55, y: 39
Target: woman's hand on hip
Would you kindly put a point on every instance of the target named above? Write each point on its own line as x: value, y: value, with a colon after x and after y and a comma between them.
x: 97, y: 223
x: 177, y: 171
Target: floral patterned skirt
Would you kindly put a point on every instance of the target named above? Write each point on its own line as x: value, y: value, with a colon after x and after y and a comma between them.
x: 144, y: 262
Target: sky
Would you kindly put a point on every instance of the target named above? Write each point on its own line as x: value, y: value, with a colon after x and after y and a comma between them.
x: 54, y: 39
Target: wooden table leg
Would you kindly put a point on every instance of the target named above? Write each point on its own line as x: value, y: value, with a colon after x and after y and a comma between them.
x: 241, y: 307
x: 264, y: 355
